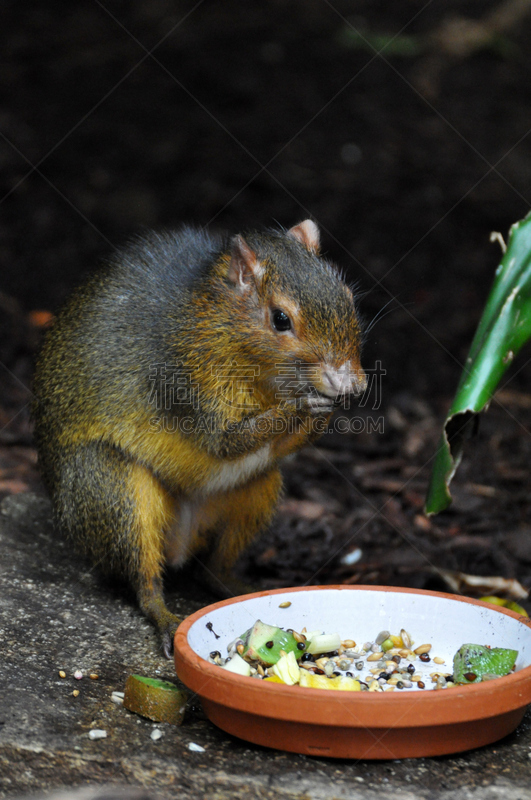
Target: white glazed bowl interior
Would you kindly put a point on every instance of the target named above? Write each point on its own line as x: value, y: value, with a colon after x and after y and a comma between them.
x: 444, y: 622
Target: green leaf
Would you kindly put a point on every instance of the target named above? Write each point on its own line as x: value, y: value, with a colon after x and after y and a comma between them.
x: 504, y: 328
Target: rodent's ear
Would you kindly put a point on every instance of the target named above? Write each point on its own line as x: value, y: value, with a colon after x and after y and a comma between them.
x: 245, y: 269
x: 307, y: 233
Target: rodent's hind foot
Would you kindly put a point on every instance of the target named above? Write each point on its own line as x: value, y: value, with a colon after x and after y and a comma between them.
x: 151, y: 602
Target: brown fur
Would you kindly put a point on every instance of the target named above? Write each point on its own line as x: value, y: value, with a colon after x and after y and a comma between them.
x: 137, y: 481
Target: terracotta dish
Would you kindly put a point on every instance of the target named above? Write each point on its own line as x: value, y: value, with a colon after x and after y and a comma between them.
x: 386, y: 725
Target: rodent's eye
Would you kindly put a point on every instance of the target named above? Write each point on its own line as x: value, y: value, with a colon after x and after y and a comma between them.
x: 281, y: 321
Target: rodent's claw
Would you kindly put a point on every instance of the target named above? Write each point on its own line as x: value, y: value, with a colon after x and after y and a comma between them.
x: 167, y: 644
x: 167, y: 627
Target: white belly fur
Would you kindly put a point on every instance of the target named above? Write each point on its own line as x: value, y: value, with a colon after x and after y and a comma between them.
x: 180, y: 534
x: 234, y: 473
x: 228, y: 476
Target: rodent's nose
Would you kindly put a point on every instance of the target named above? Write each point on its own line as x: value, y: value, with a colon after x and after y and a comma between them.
x: 344, y: 380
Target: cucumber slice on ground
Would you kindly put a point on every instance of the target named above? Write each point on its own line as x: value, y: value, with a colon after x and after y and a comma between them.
x: 158, y: 700
x: 472, y: 661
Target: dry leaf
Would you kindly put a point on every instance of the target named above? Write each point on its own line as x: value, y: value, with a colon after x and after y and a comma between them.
x: 460, y: 582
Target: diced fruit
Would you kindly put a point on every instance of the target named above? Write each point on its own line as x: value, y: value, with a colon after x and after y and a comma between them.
x: 499, y: 601
x: 472, y: 661
x: 237, y: 665
x: 324, y: 643
x: 287, y: 669
x: 273, y: 679
x: 264, y: 643
x: 342, y: 683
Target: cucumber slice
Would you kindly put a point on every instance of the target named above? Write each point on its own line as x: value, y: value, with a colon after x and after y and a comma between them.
x: 472, y: 661
x: 264, y: 642
x: 158, y: 700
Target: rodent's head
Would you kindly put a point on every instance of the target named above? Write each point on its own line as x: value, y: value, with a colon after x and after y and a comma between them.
x: 306, y: 313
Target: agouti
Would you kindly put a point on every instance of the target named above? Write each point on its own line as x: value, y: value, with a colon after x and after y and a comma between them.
x: 171, y: 386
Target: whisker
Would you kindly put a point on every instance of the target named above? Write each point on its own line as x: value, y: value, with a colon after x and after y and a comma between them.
x: 380, y: 315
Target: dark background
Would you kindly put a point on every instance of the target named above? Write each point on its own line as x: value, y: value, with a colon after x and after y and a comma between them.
x: 117, y: 116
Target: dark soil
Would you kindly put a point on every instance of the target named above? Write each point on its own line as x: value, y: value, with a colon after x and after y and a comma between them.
x: 121, y: 116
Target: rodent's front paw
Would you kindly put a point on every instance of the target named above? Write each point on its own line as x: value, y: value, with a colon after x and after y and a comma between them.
x: 319, y: 404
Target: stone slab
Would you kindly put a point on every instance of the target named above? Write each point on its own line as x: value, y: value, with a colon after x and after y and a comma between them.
x: 56, y: 614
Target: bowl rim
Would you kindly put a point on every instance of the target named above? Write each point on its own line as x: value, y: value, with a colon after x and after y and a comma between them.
x: 352, y: 709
